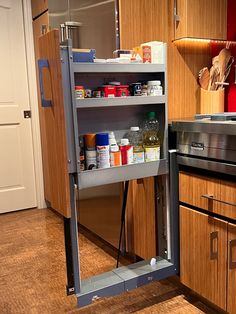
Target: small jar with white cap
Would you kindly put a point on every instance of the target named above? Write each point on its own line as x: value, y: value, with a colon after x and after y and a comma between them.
x: 154, y: 88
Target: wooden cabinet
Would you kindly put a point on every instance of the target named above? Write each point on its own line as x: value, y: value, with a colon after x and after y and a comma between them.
x: 214, y: 195
x: 201, y: 19
x: 40, y: 25
x: 203, y: 255
x: 38, y: 7
x: 141, y: 218
x: 208, y: 244
x: 231, y: 307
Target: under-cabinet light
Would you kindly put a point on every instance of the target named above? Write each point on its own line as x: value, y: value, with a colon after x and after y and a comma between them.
x: 203, y: 40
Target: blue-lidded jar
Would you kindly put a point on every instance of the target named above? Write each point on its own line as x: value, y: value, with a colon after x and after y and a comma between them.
x: 103, y: 154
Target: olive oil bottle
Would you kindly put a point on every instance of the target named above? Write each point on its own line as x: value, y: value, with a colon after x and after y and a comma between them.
x: 151, y: 139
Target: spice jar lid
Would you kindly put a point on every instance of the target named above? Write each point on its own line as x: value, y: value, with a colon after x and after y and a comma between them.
x: 134, y: 128
x: 90, y: 140
x: 114, y: 148
x: 114, y: 83
x: 154, y: 82
x: 138, y: 83
x: 79, y: 87
x: 124, y: 141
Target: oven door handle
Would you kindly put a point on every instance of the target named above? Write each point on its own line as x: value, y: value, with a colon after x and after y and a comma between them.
x: 211, y: 197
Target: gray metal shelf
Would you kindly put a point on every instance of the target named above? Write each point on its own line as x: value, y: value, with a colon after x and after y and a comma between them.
x: 123, y: 279
x: 119, y: 101
x: 81, y: 67
x: 91, y: 178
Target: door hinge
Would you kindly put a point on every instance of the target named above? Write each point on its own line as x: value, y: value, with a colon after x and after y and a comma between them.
x: 27, y: 114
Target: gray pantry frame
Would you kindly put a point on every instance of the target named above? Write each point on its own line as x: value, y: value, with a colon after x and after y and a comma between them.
x: 165, y: 170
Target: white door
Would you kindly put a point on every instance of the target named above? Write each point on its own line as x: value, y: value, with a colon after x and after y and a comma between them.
x: 17, y: 178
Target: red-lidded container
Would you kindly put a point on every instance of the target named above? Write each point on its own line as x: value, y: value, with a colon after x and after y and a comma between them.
x: 122, y: 91
x: 108, y: 91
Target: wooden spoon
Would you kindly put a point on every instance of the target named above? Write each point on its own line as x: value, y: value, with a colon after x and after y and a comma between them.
x: 224, y: 57
x: 204, y: 77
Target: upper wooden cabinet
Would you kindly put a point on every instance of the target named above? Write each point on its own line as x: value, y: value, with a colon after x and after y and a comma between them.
x: 38, y: 7
x: 201, y: 19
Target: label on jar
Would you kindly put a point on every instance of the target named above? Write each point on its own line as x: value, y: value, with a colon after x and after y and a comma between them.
x: 115, y: 159
x: 152, y: 153
x: 103, y: 156
x: 138, y: 157
x: 91, y: 159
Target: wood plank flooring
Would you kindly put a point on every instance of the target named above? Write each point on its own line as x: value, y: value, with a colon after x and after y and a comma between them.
x: 32, y: 273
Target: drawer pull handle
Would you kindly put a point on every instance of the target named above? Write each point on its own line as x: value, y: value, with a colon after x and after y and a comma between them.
x: 211, y: 197
x: 232, y: 244
x: 213, y: 236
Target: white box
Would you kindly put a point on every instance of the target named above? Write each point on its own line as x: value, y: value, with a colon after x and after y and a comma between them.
x: 157, y: 51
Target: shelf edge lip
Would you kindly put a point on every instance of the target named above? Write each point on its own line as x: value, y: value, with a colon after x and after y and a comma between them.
x: 83, y: 67
x: 120, y: 101
x: 121, y: 174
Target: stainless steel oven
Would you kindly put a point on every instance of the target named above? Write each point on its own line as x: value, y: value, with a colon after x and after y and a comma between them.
x: 207, y: 143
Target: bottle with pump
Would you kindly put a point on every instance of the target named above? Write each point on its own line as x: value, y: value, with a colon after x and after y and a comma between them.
x: 151, y: 139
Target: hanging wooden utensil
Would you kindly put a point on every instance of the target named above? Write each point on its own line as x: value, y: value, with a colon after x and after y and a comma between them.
x: 224, y: 57
x: 204, y: 77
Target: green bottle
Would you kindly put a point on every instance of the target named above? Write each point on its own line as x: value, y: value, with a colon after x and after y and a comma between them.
x: 151, y: 139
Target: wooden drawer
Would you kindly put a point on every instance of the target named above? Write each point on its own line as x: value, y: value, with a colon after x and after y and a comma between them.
x: 208, y: 193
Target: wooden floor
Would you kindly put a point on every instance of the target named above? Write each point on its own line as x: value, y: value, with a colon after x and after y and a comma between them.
x: 32, y: 273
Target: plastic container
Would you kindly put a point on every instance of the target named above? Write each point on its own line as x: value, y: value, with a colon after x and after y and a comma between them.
x: 151, y: 139
x: 90, y: 151
x: 144, y: 91
x: 135, y: 89
x: 126, y: 150
x: 136, y: 140
x: 108, y: 91
x: 154, y: 88
x: 115, y: 155
x: 122, y: 91
x: 103, y: 154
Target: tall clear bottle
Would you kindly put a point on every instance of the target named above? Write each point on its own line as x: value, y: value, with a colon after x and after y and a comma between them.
x: 136, y: 140
x: 151, y: 139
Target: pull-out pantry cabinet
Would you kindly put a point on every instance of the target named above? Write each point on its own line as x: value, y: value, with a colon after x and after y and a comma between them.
x: 67, y: 118
x: 208, y: 238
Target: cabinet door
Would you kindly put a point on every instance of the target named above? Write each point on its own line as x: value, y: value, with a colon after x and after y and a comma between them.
x: 40, y: 25
x: 201, y: 19
x: 231, y: 306
x: 38, y: 7
x: 203, y: 255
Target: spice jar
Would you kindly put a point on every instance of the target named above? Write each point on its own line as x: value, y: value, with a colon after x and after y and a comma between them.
x: 144, y: 91
x: 122, y: 91
x: 154, y: 88
x: 79, y: 91
x: 135, y: 89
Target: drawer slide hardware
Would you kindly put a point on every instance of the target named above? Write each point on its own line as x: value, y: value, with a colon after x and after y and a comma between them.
x: 232, y: 244
x: 211, y: 197
x: 213, y: 237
